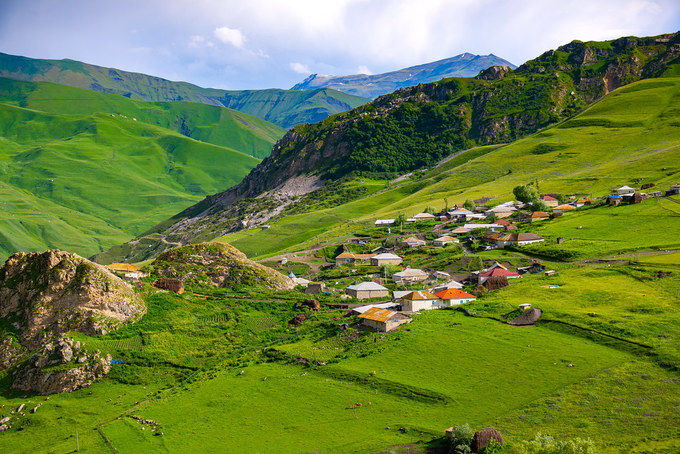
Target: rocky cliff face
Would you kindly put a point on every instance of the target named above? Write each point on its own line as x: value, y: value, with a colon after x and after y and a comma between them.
x: 217, y: 265
x: 43, y: 296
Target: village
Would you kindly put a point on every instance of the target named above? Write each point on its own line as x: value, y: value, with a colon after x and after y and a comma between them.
x: 387, y: 293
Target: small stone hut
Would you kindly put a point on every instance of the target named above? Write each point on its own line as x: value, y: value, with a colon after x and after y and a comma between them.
x: 174, y: 285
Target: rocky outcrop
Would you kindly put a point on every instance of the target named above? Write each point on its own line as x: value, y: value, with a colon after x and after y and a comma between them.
x: 49, y: 293
x: 60, y: 366
x: 217, y: 265
x: 45, y: 295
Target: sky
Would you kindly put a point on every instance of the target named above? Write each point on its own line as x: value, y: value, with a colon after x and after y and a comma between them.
x: 252, y: 44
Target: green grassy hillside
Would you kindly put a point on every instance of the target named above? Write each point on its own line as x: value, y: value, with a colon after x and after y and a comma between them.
x: 285, y: 108
x: 629, y: 137
x: 84, y: 182
x: 211, y: 124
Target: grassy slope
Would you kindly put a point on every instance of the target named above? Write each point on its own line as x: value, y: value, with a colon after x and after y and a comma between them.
x: 285, y: 108
x: 84, y: 182
x: 211, y: 124
x: 630, y: 135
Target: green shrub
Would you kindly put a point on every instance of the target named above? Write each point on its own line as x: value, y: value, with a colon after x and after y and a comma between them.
x: 461, y: 437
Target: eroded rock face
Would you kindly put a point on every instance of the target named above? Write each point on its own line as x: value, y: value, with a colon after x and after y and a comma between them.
x: 45, y: 295
x: 60, y: 366
x: 217, y: 265
x: 49, y: 293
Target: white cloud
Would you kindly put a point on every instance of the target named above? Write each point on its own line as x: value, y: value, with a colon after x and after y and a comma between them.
x: 230, y: 36
x: 363, y: 69
x: 300, y: 68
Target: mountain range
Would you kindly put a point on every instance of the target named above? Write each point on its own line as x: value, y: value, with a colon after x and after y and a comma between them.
x: 285, y: 108
x: 414, y: 128
x: 374, y: 85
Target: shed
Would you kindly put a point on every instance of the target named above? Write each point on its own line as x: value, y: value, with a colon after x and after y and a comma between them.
x: 174, y: 285
x: 383, y: 320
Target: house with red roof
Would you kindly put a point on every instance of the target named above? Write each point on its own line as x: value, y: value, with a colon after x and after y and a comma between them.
x: 454, y: 296
x: 550, y: 201
x: 496, y: 272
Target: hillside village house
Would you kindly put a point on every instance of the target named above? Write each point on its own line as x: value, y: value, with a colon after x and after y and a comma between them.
x: 518, y: 239
x: 539, y: 216
x: 348, y: 257
x: 550, y: 201
x: 496, y: 272
x: 447, y: 285
x: 441, y: 275
x: 380, y: 222
x: 424, y: 217
x: 386, y: 258
x: 383, y: 320
x: 459, y: 214
x: 675, y: 189
x: 563, y: 208
x: 129, y: 271
x: 419, y: 300
x: 344, y: 258
x: 454, y: 296
x: 366, y: 290
x: 459, y: 231
x: 500, y: 211
x: 583, y: 201
x: 412, y: 242
x: 410, y: 275
x: 624, y: 190
x: 444, y: 240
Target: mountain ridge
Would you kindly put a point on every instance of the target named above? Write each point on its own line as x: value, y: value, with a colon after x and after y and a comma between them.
x: 285, y: 108
x: 374, y: 85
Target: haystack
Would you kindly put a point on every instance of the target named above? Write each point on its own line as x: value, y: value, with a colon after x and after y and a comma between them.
x: 482, y: 438
x: 528, y: 318
x: 297, y: 320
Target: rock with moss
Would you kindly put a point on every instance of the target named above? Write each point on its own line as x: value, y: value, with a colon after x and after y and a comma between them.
x: 217, y: 265
x: 44, y: 295
x: 60, y: 366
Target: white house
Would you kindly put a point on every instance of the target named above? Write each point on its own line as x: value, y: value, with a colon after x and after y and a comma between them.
x: 367, y: 290
x: 518, y: 239
x: 409, y: 275
x: 444, y: 240
x: 454, y: 296
x: 386, y: 258
x: 380, y: 222
x: 625, y: 190
x: 424, y: 217
x: 419, y: 300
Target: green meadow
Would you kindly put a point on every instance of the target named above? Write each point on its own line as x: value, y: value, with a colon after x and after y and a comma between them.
x: 83, y: 171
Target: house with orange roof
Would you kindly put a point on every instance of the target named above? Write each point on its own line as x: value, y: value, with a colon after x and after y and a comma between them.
x: 539, y: 216
x: 128, y: 270
x: 419, y: 300
x: 454, y: 296
x: 563, y: 208
x: 383, y: 320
